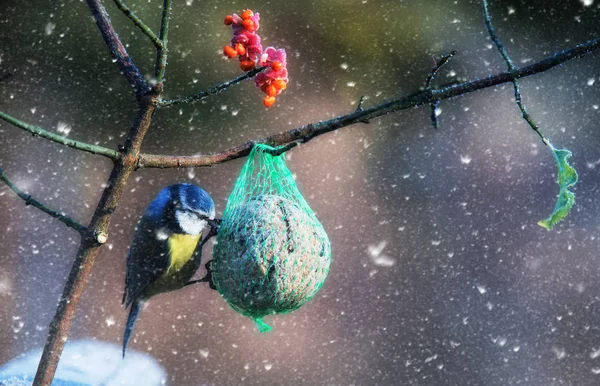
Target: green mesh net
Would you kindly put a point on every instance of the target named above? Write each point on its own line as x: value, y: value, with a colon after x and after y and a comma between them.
x: 272, y: 254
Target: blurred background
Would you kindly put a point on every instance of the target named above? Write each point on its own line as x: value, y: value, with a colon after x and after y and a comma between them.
x: 440, y: 274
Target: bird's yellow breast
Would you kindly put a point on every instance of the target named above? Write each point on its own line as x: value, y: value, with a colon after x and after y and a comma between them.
x: 181, y: 249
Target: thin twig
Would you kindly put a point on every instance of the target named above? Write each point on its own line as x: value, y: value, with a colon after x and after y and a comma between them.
x: 138, y: 22
x: 359, y: 107
x: 437, y: 65
x: 162, y: 52
x: 117, y: 49
x: 434, y: 114
x: 35, y: 203
x: 213, y: 90
x: 38, y: 131
x: 512, y: 68
x: 306, y: 133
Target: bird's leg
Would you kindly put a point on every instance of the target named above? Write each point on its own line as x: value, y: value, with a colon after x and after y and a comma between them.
x: 214, y: 228
x: 207, y: 278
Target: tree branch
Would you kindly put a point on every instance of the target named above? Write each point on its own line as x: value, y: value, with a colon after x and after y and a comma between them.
x: 512, y: 68
x: 162, y: 52
x: 38, y: 131
x: 307, y: 132
x: 35, y: 203
x: 117, y: 49
x: 213, y: 90
x: 437, y: 65
x: 90, y: 245
x: 138, y: 22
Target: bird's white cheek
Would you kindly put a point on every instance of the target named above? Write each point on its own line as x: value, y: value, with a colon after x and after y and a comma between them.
x: 190, y: 223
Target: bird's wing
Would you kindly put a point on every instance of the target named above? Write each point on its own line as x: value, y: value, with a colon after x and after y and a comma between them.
x: 148, y: 259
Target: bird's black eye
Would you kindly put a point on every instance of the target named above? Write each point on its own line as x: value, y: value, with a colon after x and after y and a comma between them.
x: 177, y: 205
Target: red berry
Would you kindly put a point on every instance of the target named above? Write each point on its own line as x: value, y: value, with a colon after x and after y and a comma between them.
x: 229, y: 51
x: 269, y: 101
x: 247, y: 14
x: 228, y: 20
x: 263, y: 88
x: 276, y: 65
x: 249, y: 25
x: 240, y: 49
x: 280, y: 84
x: 271, y: 91
x: 247, y: 65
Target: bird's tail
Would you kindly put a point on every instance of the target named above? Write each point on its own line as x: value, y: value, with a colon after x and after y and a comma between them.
x: 134, y: 312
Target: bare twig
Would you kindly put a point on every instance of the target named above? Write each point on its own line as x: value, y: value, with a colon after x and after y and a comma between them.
x: 138, y: 22
x: 162, y: 52
x: 117, y: 49
x: 35, y: 203
x: 38, y: 131
x: 359, y: 107
x: 437, y: 65
x: 305, y: 133
x: 434, y: 114
x: 213, y: 90
x: 512, y: 68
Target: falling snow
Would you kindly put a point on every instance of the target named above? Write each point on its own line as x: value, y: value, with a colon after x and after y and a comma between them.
x: 49, y: 29
x: 63, y: 128
x: 379, y: 259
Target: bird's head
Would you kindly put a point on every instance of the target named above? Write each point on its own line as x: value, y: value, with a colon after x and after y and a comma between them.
x: 183, y: 208
x: 192, y: 207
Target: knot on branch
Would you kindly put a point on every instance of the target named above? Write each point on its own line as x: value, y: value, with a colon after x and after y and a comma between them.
x: 101, y: 237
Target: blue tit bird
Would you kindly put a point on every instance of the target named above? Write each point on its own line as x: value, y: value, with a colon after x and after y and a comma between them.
x: 166, y: 248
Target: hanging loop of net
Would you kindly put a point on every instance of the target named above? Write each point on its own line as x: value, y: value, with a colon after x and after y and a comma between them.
x: 272, y: 255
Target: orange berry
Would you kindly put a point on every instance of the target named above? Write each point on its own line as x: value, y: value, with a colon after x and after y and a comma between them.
x: 271, y: 91
x: 269, y: 101
x: 228, y: 20
x: 249, y: 25
x: 229, y: 51
x: 240, y: 49
x: 276, y: 65
x: 247, y: 65
x: 280, y: 84
x: 247, y: 14
x: 263, y: 88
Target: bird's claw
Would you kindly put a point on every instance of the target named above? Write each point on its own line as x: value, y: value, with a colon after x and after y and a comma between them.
x: 209, y: 275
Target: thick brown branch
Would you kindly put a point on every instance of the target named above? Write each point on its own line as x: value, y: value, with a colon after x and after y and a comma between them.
x: 306, y: 133
x: 35, y: 203
x: 90, y: 245
x: 117, y: 49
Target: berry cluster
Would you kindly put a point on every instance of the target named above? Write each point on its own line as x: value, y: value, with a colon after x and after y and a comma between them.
x: 273, y: 80
x: 246, y: 45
